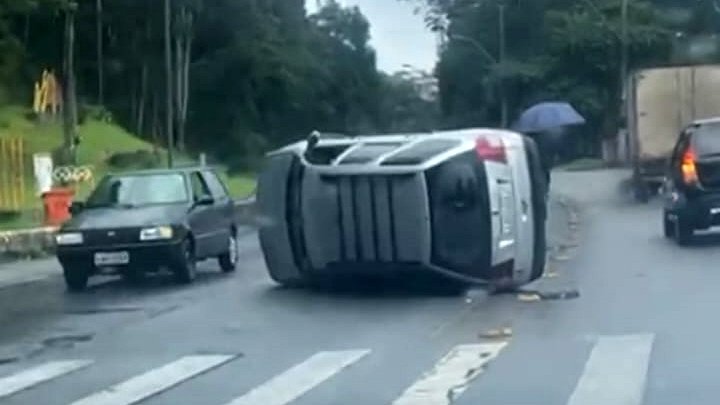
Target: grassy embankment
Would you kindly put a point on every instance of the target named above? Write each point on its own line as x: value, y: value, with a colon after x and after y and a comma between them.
x: 99, y: 140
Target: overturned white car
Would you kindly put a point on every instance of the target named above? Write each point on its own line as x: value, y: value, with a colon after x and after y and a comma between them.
x: 469, y: 204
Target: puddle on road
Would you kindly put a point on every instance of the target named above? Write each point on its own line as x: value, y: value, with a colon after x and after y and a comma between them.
x: 102, y: 310
x: 66, y: 341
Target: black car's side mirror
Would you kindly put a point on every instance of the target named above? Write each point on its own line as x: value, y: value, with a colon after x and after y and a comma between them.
x: 205, y: 200
x: 76, y: 207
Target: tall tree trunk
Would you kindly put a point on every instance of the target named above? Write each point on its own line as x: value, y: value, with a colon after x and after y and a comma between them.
x: 70, y: 101
x: 100, y: 53
x: 168, y: 86
x: 179, y: 88
x: 140, y: 123
x: 183, y: 48
x: 26, y: 30
x: 155, y: 126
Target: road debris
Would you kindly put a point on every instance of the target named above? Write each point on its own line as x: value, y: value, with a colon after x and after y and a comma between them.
x: 498, y: 333
x: 529, y: 297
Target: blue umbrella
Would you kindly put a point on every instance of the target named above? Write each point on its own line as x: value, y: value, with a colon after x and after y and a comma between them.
x: 548, y: 116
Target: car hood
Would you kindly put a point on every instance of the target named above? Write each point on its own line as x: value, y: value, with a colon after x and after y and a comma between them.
x: 101, y: 218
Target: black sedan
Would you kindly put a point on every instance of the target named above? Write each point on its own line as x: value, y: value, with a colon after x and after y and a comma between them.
x: 141, y: 222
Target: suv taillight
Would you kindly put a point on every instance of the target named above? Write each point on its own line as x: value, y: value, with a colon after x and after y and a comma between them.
x: 688, y: 168
x: 492, y: 150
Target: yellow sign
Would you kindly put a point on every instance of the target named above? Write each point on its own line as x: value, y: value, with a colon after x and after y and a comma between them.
x: 48, y: 94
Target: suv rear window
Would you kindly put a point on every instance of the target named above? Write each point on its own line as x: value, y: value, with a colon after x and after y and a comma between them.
x: 706, y: 140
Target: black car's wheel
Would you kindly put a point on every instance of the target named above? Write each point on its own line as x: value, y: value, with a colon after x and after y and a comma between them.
x: 228, y: 260
x: 76, y: 277
x: 668, y: 226
x: 683, y: 231
x: 185, y: 268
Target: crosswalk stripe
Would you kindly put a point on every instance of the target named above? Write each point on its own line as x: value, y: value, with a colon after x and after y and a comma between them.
x: 616, y: 371
x: 451, y: 375
x: 301, y: 378
x: 36, y: 375
x: 155, y: 381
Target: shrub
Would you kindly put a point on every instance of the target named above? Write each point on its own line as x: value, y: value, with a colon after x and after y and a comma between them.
x: 139, y: 159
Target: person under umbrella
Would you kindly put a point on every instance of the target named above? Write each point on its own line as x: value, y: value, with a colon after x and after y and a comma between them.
x: 546, y: 123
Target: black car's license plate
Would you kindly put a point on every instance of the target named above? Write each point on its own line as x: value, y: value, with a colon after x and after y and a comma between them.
x: 111, y: 258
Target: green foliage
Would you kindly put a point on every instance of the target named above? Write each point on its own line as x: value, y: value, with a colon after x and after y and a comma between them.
x: 139, y: 159
x: 555, y: 50
x: 261, y: 72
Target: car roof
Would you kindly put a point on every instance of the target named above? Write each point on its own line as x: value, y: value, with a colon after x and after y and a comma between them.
x: 173, y: 170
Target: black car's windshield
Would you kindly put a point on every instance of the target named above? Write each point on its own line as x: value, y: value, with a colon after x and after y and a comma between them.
x: 707, y: 140
x: 138, y: 190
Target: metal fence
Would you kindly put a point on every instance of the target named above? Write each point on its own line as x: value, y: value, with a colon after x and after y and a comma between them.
x: 12, y: 174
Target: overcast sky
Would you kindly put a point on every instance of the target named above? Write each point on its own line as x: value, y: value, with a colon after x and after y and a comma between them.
x: 398, y: 35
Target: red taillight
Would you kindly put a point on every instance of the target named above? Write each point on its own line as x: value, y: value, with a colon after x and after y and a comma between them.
x: 689, y: 171
x: 492, y: 150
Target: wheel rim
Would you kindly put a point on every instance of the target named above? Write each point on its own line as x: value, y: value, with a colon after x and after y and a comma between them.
x: 232, y: 252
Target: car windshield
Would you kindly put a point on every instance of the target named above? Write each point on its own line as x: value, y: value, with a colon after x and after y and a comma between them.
x: 138, y: 190
x: 707, y: 140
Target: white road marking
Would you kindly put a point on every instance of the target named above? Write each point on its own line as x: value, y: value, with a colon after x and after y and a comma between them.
x: 616, y: 372
x: 155, y: 381
x: 25, y: 379
x: 301, y: 378
x: 451, y: 375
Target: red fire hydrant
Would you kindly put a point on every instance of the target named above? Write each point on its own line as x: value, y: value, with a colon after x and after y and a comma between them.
x: 57, y: 205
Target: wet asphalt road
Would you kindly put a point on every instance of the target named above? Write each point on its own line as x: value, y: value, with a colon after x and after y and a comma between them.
x: 642, y: 331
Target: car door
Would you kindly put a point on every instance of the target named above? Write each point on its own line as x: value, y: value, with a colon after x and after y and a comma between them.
x: 201, y: 216
x: 223, y: 211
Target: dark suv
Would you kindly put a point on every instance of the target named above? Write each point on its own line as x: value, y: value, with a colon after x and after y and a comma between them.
x: 142, y: 221
x: 692, y: 187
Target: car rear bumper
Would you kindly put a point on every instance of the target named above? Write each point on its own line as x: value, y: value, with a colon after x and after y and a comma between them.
x: 147, y: 255
x: 702, y: 211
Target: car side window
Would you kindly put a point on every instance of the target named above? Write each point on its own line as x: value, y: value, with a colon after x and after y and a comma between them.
x: 199, y: 187
x: 218, y: 190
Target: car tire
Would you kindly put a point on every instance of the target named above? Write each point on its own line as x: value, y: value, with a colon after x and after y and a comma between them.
x: 76, y: 278
x: 185, y: 269
x: 228, y: 260
x: 668, y: 226
x: 683, y: 231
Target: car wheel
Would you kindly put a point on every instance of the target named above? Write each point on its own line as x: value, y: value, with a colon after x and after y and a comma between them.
x: 683, y: 232
x: 228, y: 260
x: 185, y: 269
x: 76, y: 278
x: 668, y: 226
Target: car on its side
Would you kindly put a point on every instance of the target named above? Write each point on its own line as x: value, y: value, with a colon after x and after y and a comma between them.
x: 692, y: 186
x: 468, y: 204
x: 144, y: 221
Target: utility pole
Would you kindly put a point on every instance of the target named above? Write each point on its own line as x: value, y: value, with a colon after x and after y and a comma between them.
x: 70, y: 98
x: 100, y: 56
x: 624, y: 49
x: 168, y: 87
x: 501, y: 61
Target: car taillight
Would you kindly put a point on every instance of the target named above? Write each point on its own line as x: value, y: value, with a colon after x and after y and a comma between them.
x: 492, y: 150
x: 689, y: 171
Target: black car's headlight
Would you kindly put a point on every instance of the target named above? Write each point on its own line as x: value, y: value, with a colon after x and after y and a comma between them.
x: 156, y: 233
x: 69, y: 238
